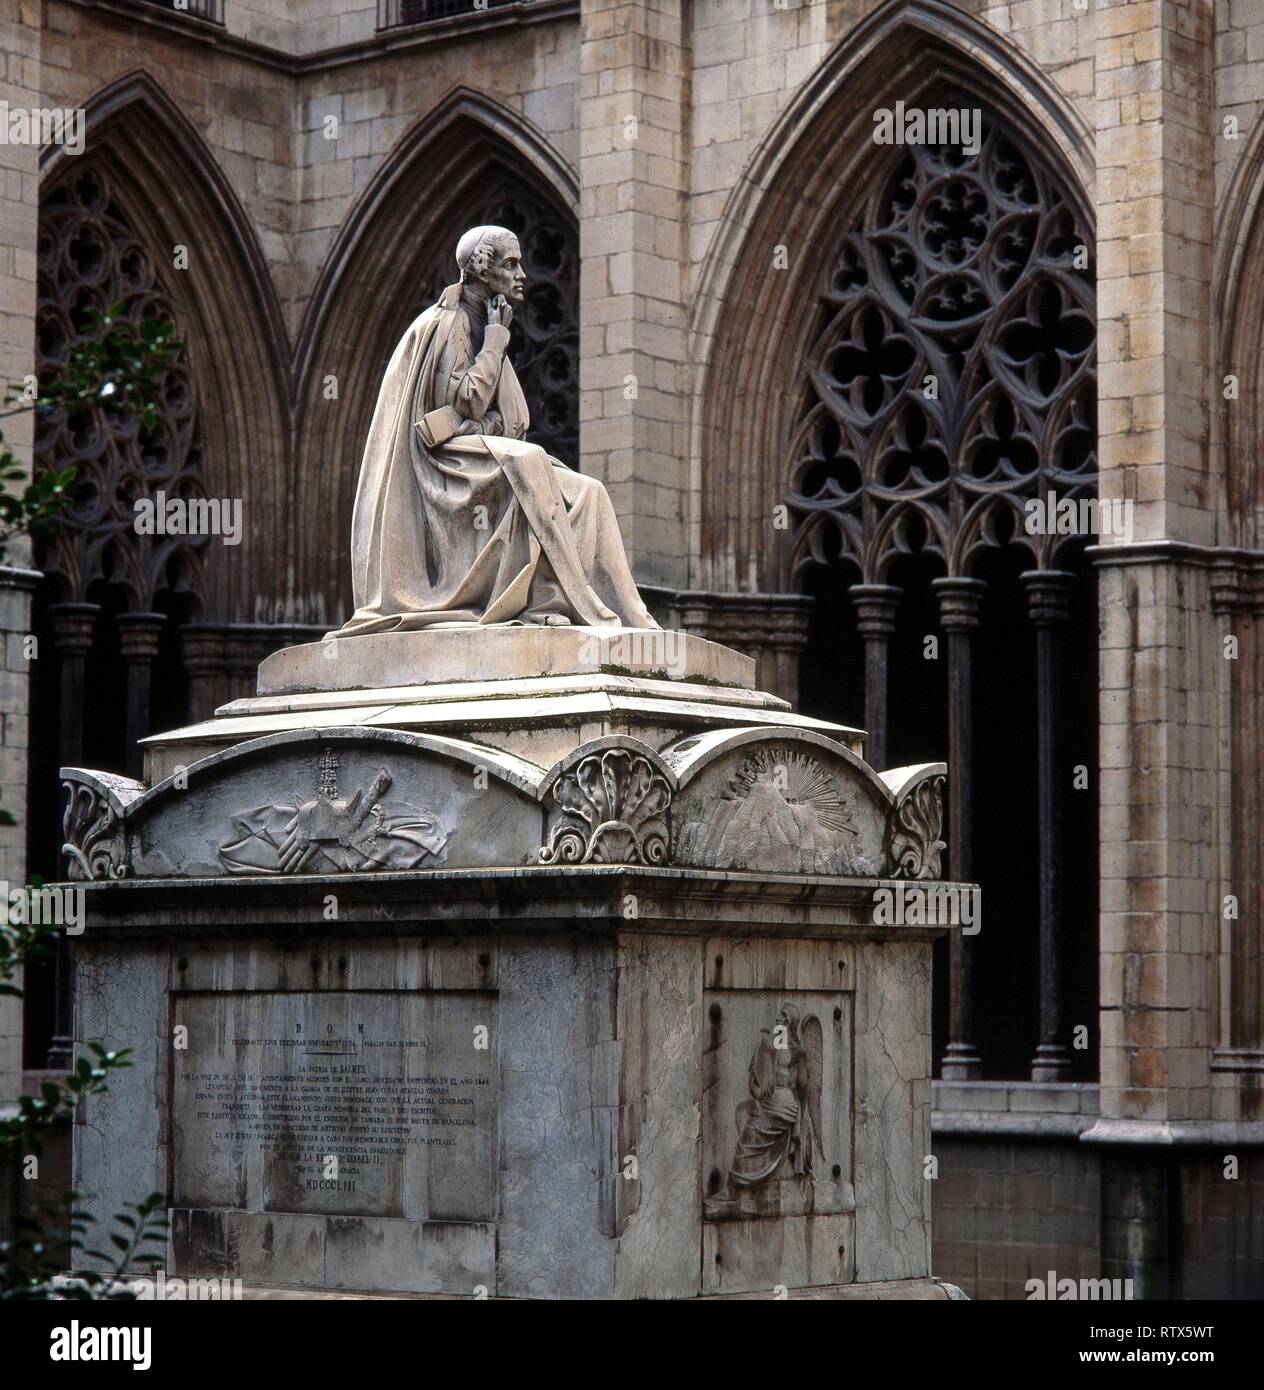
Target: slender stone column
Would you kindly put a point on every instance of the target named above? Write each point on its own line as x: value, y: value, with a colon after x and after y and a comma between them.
x: 875, y: 618
x: 772, y: 629
x: 202, y: 647
x: 139, y: 634
x: 1049, y: 603
x: 785, y: 647
x: 242, y: 655
x: 959, y: 601
x: 1237, y: 600
x: 72, y: 635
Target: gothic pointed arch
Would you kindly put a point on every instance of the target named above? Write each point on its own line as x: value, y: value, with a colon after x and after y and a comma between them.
x: 898, y: 348
x: 90, y: 259
x: 1238, y: 322
x: 950, y: 368
x: 752, y: 321
x: 1237, y: 600
x: 146, y: 186
x: 469, y: 160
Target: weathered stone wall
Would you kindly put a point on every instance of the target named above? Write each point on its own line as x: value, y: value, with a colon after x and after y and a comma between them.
x: 1222, y: 1246
x: 15, y: 606
x: 532, y: 72
x: 1005, y: 1211
x: 654, y: 206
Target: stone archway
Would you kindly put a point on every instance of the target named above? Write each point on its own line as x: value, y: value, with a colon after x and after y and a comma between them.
x: 394, y: 249
x: 894, y: 389
x: 145, y: 219
x: 1236, y: 585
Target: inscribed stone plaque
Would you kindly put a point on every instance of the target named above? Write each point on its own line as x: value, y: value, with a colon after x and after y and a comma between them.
x: 346, y: 1103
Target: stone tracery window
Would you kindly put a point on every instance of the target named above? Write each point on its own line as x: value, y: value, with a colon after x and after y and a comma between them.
x: 544, y: 336
x: 107, y: 604
x: 949, y: 379
x: 89, y: 258
x: 951, y: 371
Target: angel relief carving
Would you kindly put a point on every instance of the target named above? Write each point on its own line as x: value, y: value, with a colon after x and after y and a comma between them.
x: 779, y: 1127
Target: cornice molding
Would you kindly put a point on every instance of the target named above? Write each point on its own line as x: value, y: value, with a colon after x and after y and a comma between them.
x: 1173, y: 552
x: 206, y: 33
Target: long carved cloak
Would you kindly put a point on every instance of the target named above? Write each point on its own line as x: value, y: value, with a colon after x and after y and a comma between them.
x: 485, y: 528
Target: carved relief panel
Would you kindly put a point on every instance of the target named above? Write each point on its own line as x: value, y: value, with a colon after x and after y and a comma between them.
x: 781, y: 808
x: 778, y: 1193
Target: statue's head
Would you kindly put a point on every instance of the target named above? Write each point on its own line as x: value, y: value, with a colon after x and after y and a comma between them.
x: 789, y: 1016
x: 491, y: 257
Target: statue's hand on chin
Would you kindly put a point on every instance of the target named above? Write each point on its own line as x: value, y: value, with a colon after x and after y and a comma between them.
x: 499, y: 311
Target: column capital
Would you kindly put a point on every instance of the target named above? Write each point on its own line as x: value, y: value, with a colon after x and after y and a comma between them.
x: 203, y: 649
x: 73, y: 625
x: 876, y: 606
x: 1049, y: 596
x: 959, y: 600
x: 139, y: 634
x: 1235, y: 587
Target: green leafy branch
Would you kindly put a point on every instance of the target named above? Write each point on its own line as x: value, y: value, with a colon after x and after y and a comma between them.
x: 117, y: 364
x: 32, y: 1263
x: 58, y: 1100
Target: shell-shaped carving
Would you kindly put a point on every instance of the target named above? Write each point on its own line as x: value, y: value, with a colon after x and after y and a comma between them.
x: 614, y: 805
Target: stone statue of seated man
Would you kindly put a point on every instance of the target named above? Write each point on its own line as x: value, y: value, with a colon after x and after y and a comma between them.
x: 458, y: 520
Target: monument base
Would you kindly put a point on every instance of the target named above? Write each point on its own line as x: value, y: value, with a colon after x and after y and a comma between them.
x: 531, y: 1083
x: 439, y: 655
x: 887, y: 1291
x: 591, y: 989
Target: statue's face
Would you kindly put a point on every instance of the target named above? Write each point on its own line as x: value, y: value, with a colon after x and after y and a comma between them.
x: 505, y: 274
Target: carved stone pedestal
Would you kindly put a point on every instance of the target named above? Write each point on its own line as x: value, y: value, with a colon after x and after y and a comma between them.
x: 583, y: 986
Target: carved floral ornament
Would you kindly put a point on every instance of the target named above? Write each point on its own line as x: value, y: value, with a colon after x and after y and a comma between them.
x: 917, y: 822
x: 773, y: 809
x: 92, y: 832
x: 951, y: 372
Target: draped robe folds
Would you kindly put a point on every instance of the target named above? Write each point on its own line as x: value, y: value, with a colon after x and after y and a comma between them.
x: 774, y: 1125
x: 546, y: 540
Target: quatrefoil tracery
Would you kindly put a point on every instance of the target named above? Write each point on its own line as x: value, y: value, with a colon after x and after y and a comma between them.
x: 951, y: 370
